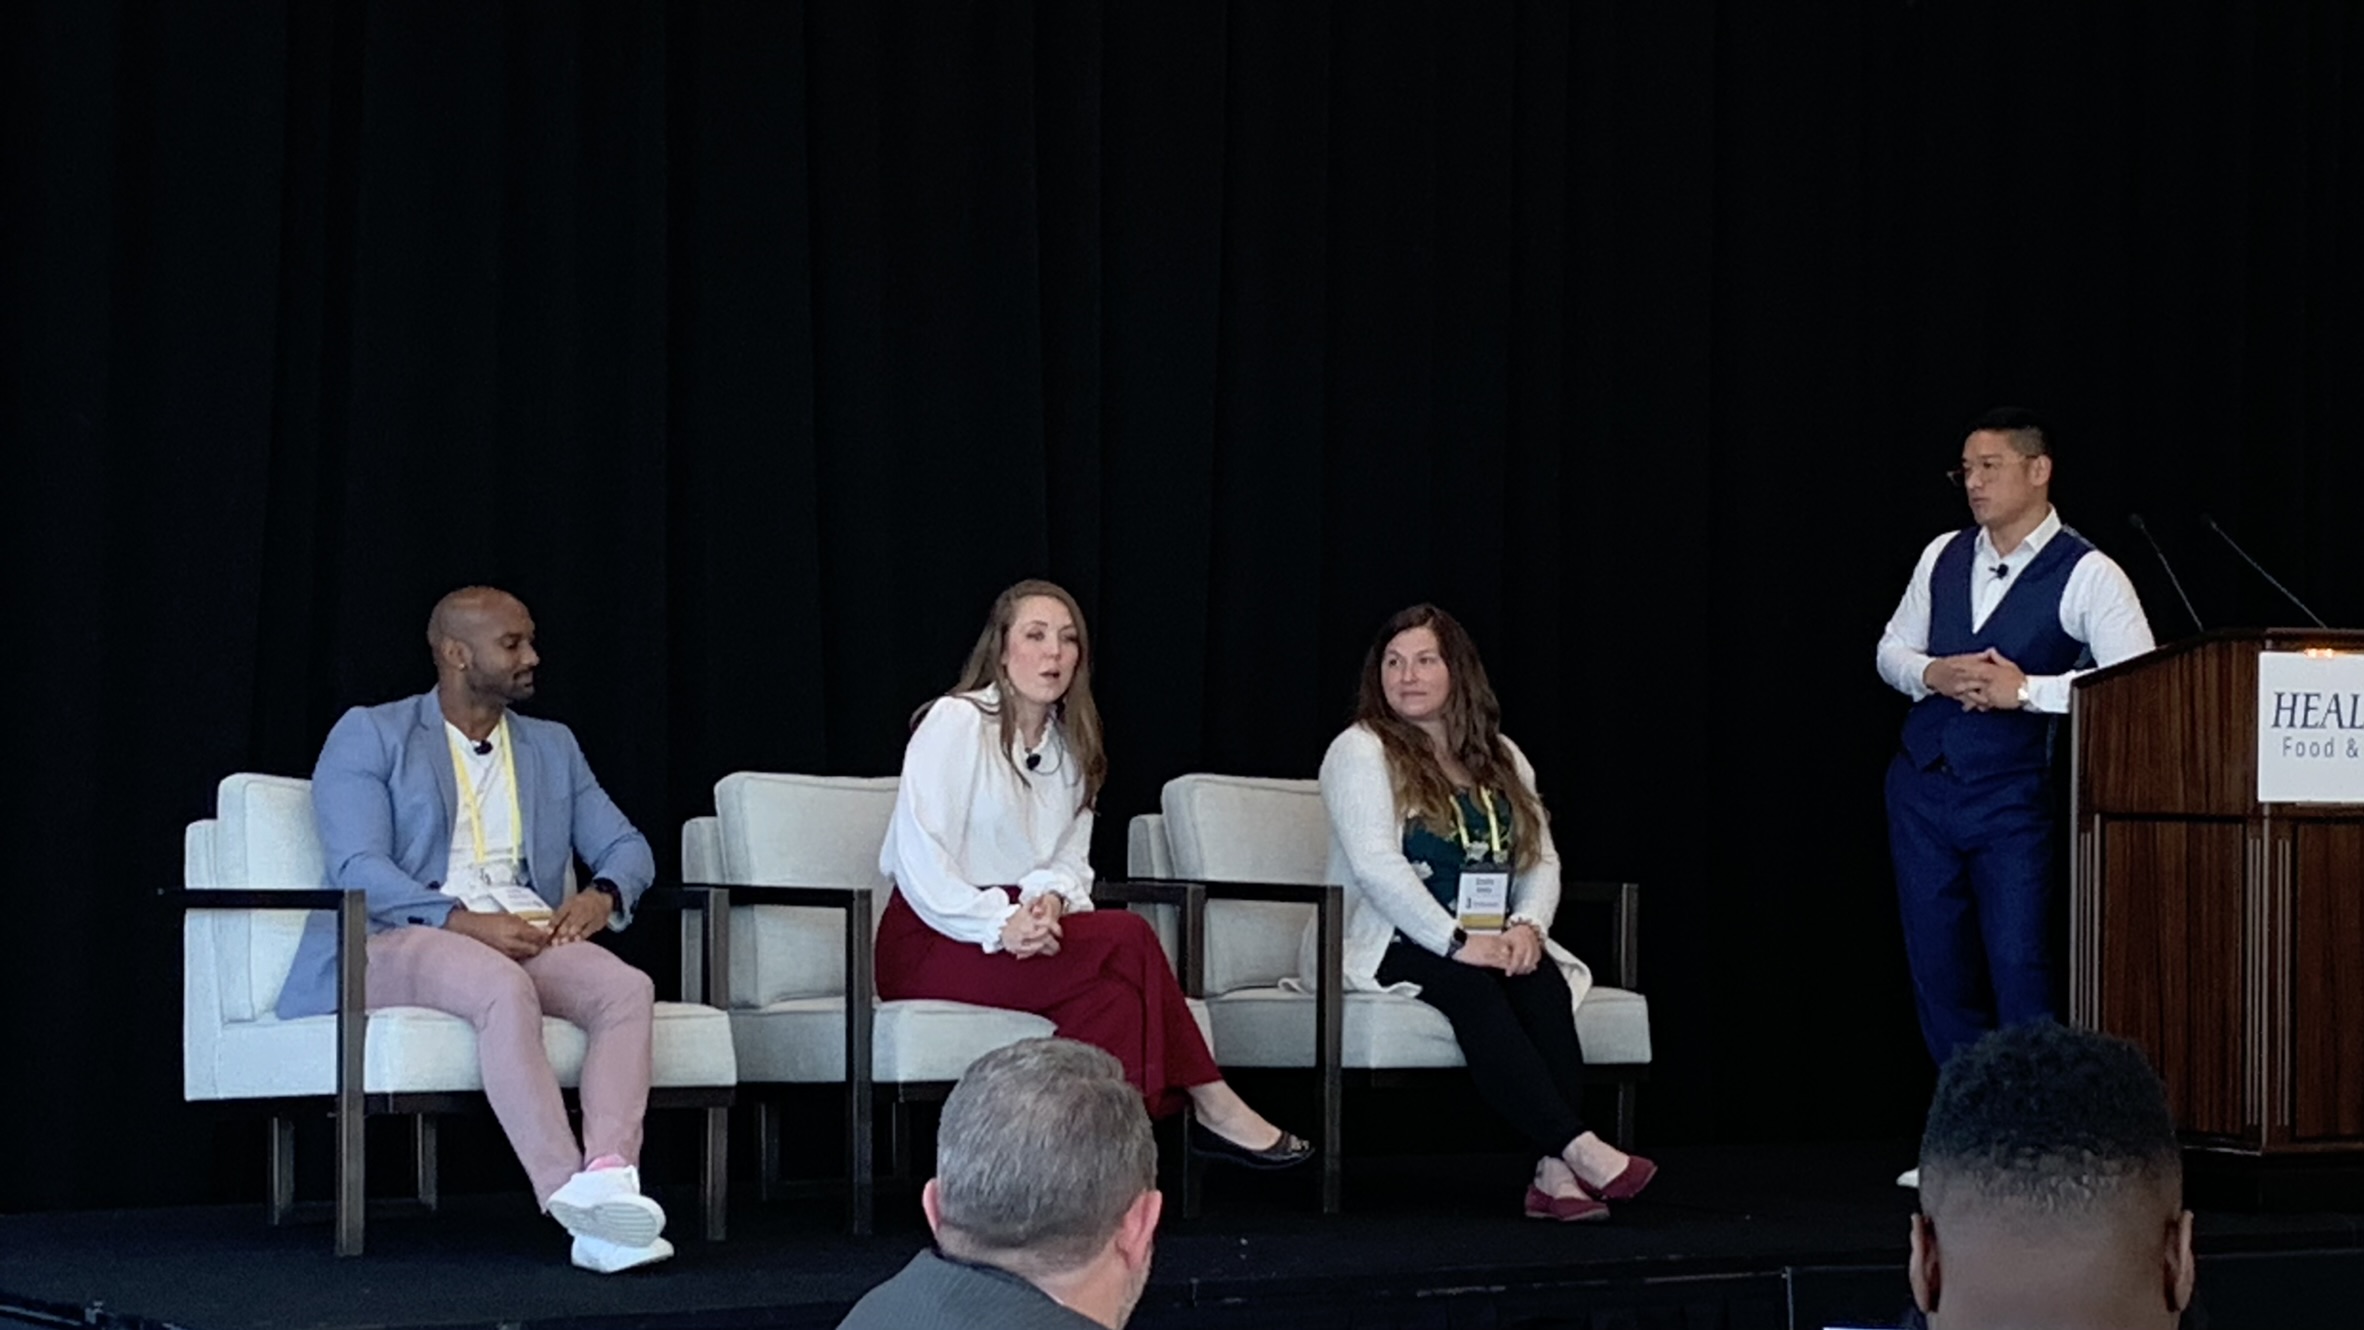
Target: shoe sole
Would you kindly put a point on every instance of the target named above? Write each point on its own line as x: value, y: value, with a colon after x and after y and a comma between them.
x: 597, y: 1269
x: 617, y: 1221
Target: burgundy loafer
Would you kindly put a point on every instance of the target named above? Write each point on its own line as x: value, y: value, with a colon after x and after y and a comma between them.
x: 1626, y: 1185
x: 1566, y: 1209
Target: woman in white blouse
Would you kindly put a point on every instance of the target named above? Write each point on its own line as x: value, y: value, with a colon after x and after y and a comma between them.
x: 989, y: 848
x: 1427, y: 801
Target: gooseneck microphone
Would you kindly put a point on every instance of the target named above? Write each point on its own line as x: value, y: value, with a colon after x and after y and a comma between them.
x: 2135, y: 520
x: 2271, y: 580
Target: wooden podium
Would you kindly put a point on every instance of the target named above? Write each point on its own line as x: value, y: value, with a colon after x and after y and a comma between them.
x: 2223, y: 935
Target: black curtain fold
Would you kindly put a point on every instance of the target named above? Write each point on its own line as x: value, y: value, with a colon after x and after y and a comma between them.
x: 757, y: 345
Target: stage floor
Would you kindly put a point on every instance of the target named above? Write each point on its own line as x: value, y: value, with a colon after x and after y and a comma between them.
x: 1742, y: 1237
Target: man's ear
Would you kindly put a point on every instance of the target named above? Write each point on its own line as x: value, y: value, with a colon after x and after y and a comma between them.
x: 1923, y: 1268
x: 1136, y: 1233
x: 2039, y: 469
x: 931, y: 1204
x: 2180, y: 1270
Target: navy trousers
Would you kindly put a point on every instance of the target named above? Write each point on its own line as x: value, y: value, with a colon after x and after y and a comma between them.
x: 1974, y: 885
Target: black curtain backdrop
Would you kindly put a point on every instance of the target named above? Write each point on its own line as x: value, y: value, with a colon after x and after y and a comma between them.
x: 756, y: 345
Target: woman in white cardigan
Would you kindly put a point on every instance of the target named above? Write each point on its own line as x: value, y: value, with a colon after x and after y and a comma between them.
x: 1425, y: 797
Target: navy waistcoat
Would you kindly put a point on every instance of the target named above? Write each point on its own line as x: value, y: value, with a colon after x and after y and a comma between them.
x: 2025, y: 628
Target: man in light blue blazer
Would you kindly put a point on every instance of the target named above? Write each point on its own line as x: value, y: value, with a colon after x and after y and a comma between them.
x: 462, y: 820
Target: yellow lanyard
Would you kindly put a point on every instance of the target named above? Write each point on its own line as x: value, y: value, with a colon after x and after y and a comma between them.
x: 459, y: 771
x: 1493, y: 826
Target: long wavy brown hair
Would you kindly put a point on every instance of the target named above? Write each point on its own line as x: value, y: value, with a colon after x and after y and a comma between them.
x: 1473, y: 733
x: 1076, y: 715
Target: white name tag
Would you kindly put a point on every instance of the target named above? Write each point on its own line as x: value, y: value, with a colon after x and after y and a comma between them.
x: 1484, y: 905
x: 498, y: 888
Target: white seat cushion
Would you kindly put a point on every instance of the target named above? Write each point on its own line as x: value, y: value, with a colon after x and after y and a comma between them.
x: 412, y: 1050
x: 1272, y: 1027
x: 801, y: 1041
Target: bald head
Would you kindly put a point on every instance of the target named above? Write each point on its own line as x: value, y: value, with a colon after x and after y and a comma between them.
x: 483, y: 643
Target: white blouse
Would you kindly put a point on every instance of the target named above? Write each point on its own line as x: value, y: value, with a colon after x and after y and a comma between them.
x: 966, y: 824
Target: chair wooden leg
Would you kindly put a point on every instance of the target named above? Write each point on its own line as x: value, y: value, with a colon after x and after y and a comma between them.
x: 423, y: 1161
x: 899, y: 1141
x: 1193, y: 1169
x: 714, y: 1173
x: 861, y: 1164
x: 352, y: 1181
x: 281, y: 1148
x: 767, y: 1150
x: 1627, y: 1094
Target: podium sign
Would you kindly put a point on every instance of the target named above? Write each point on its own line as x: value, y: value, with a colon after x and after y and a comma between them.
x: 2310, y: 727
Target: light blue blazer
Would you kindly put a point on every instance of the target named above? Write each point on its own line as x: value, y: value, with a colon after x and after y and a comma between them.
x: 385, y: 801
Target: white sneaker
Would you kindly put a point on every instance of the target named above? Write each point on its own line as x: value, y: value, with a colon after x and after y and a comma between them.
x: 1910, y: 1177
x: 606, y: 1204
x: 608, y: 1257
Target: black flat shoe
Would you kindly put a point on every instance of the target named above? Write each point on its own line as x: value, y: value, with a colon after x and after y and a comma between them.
x: 1287, y: 1152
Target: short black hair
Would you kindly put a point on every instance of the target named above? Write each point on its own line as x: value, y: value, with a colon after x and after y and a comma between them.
x: 2027, y: 430
x: 2045, y: 1119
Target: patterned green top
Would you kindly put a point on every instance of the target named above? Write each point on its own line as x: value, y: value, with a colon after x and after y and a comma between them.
x: 1438, y: 856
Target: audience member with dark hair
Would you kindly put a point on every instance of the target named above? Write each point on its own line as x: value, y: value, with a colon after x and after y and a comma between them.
x: 1044, y: 1203
x: 2051, y: 1189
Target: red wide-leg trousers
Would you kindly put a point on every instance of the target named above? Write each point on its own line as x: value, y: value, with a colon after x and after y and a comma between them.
x: 1109, y: 986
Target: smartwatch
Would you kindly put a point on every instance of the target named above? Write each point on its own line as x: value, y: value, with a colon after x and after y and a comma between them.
x: 1460, y: 940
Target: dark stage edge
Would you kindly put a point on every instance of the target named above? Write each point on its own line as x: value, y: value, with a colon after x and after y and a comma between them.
x: 1741, y: 1237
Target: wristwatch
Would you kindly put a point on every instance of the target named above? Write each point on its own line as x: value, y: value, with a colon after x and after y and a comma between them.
x: 1460, y: 940
x: 615, y: 894
x: 2024, y: 699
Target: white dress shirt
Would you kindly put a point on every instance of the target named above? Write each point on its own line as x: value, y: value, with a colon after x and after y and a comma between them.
x: 2098, y: 607
x: 965, y: 823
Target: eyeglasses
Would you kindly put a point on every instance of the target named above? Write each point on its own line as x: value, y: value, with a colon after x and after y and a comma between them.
x: 1986, y: 468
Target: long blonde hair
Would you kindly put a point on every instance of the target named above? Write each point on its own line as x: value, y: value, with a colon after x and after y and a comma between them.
x: 1076, y: 715
x: 1473, y: 733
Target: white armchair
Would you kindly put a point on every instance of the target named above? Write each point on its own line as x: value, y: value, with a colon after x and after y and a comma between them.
x: 1217, y: 829
x: 252, y: 871
x: 798, y: 857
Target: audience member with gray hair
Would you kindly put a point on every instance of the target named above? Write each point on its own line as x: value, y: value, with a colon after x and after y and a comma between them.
x: 1044, y: 1204
x: 2051, y: 1189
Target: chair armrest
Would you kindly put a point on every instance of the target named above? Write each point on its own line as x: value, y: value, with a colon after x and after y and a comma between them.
x: 828, y: 898
x: 690, y: 896
x: 1146, y: 891
x: 1624, y: 900
x: 1189, y: 900
x: 238, y: 898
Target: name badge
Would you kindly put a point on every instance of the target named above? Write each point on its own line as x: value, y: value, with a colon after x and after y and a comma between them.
x: 1484, y: 905
x: 498, y: 888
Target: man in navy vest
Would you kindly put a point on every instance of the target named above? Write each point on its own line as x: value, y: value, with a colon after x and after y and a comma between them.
x: 1998, y: 620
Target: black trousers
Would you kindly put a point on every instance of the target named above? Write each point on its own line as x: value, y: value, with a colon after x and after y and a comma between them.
x: 1517, y: 1032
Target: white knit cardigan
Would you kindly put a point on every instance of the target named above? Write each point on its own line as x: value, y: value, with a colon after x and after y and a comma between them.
x: 1385, y: 896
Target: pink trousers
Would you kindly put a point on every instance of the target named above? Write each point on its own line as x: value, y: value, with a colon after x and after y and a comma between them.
x: 505, y: 1001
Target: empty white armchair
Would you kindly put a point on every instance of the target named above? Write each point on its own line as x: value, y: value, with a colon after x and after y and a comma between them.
x: 252, y: 871
x: 1217, y: 829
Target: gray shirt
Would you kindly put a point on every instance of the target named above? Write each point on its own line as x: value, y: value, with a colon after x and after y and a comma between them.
x: 937, y: 1291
